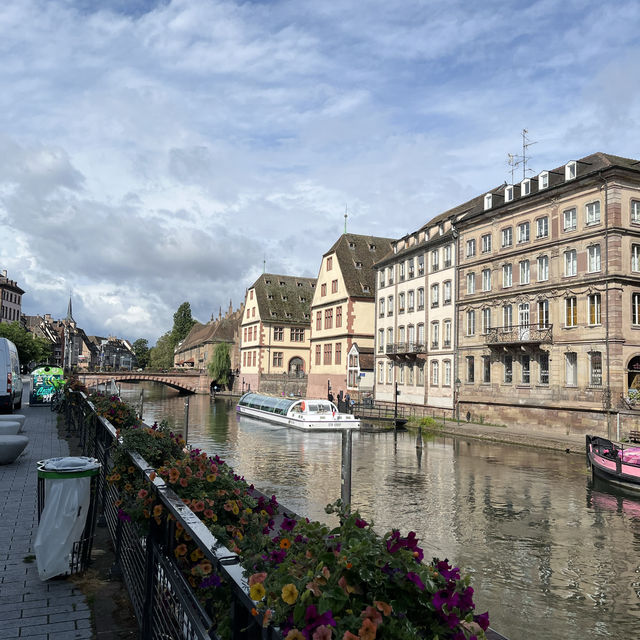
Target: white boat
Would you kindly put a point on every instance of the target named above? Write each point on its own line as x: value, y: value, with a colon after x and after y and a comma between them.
x: 299, y: 413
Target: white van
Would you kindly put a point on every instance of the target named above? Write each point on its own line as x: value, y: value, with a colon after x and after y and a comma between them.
x: 10, y: 380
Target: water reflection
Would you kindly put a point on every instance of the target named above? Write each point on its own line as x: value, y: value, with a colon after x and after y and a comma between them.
x: 541, y: 541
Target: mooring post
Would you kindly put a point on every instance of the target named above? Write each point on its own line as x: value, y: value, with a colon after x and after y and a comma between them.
x: 419, y: 439
x: 186, y: 419
x: 141, y: 402
x: 345, y: 480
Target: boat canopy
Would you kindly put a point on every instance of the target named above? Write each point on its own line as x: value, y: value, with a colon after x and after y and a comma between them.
x: 272, y: 404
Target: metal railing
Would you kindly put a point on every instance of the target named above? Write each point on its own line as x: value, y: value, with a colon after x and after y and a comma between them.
x: 164, y: 603
x: 405, y: 348
x: 520, y: 334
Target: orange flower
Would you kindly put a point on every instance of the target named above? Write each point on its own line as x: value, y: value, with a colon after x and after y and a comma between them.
x: 267, y: 616
x: 285, y: 543
x: 180, y: 550
x: 157, y: 511
x: 368, y: 630
x: 198, y: 506
x: 383, y: 606
x: 254, y: 611
x: 183, y: 482
x: 294, y: 634
x: 174, y: 474
x: 349, y: 636
x: 152, y: 476
x: 349, y: 565
x: 206, y: 567
x: 371, y: 613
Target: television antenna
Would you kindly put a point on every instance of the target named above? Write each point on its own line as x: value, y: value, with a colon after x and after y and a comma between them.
x: 515, y: 160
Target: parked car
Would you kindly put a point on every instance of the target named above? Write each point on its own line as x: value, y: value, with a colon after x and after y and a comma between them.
x: 10, y: 380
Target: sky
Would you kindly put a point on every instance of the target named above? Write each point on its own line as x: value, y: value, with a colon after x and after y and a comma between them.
x: 160, y: 151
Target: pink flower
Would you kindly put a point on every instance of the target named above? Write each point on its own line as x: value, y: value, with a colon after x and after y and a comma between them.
x: 322, y: 633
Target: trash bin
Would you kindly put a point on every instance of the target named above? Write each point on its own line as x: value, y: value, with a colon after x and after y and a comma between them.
x: 67, y: 507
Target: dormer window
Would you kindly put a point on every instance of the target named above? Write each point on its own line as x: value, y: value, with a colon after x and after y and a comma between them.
x: 285, y: 298
x: 273, y: 314
x: 525, y: 187
x: 299, y: 284
x: 487, y: 201
x: 543, y: 180
x: 372, y: 247
x: 270, y: 296
x: 267, y: 281
x: 441, y: 228
x: 358, y: 265
x: 508, y: 193
x: 302, y: 299
x: 570, y: 170
x: 282, y: 283
x: 365, y: 288
x: 352, y: 245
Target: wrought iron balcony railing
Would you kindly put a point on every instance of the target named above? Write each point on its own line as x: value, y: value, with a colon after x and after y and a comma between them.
x: 405, y: 348
x: 520, y: 334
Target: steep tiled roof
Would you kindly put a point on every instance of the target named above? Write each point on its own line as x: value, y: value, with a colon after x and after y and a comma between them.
x: 221, y: 330
x: 356, y: 256
x: 284, y: 299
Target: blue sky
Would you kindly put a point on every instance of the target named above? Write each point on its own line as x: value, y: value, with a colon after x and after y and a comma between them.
x: 156, y: 152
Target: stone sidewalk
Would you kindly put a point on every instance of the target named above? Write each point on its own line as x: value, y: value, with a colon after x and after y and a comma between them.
x: 30, y: 608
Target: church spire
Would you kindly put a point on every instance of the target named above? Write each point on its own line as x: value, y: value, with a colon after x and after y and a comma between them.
x: 69, y: 317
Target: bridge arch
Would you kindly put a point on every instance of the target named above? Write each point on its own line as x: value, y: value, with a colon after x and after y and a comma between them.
x: 187, y: 384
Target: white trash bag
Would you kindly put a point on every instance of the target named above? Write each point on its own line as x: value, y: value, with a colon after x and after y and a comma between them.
x: 64, y: 516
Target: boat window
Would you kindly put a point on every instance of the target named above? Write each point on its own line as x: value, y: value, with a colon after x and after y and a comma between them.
x: 272, y: 404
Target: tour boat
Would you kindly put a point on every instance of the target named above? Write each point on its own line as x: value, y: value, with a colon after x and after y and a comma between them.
x: 615, y: 463
x: 304, y: 414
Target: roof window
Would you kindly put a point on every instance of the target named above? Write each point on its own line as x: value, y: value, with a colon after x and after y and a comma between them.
x: 282, y: 283
x: 372, y: 247
x: 488, y: 199
x: 543, y: 180
x: 508, y: 193
x: 352, y: 245
x: 358, y: 265
x: 365, y: 288
x: 267, y: 281
x: 570, y: 170
x: 525, y: 187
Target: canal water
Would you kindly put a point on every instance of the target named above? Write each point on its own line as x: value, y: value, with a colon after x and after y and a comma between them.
x: 551, y: 554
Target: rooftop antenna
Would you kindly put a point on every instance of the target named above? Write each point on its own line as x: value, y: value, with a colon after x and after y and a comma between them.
x: 264, y: 264
x: 345, y: 218
x: 514, y: 160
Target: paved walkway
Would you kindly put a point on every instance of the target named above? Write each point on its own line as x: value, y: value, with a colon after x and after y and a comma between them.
x: 30, y: 608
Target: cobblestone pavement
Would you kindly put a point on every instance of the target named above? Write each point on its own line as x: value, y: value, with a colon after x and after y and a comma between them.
x: 30, y: 608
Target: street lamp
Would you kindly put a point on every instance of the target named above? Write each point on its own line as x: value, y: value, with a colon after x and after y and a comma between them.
x: 328, y: 389
x: 457, y: 399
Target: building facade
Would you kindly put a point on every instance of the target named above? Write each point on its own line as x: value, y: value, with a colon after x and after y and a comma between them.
x: 274, y: 343
x: 10, y: 299
x: 342, y: 312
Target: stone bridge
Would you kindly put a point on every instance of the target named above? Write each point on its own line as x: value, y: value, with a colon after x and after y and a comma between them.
x: 183, y: 381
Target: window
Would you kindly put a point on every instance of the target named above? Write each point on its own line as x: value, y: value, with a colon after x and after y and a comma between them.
x: 486, y: 243
x: 401, y: 271
x: 421, y: 334
x: 471, y: 283
x: 595, y: 315
x: 410, y: 300
x: 525, y: 369
x: 471, y: 322
x: 446, y: 381
x: 542, y: 227
x: 381, y: 372
x: 323, y: 289
x: 508, y: 193
x: 411, y: 335
x: 446, y: 252
x: 507, y: 275
x: 389, y: 372
x: 329, y: 263
x: 318, y: 354
x: 593, y: 258
x: 446, y: 330
x: 595, y: 369
x: 471, y: 248
x: 319, y: 317
x: 380, y: 306
x: 486, y: 320
x: 255, y: 354
x: 251, y: 294
x: 410, y: 268
x: 507, y: 316
x: 334, y: 286
x: 338, y: 352
x: 390, y: 275
x: 390, y: 306
x: 570, y: 263
x: 328, y: 318
x: 277, y: 358
x: 571, y: 312
x: 486, y: 279
x: 297, y: 335
x: 543, y: 314
x: 420, y: 299
x: 470, y: 371
x: 389, y: 337
x: 420, y: 265
x: 410, y: 372
x: 435, y: 256
x: 592, y: 212
x: 543, y: 268
x: 525, y: 187
x: 635, y: 308
x: 435, y: 335
x: 543, y: 180
x: 446, y: 292
x: 327, y: 354
x: 507, y: 237
x: 570, y: 170
x: 381, y: 278
x: 543, y: 367
x: 401, y: 297
x: 435, y: 373
x: 507, y: 363
x: 524, y: 272
x: 569, y: 220
x: 400, y: 374
x: 571, y: 368
x: 487, y: 201
x: 435, y: 295
x: 523, y: 232
x: 278, y: 334
x: 401, y: 335
x: 380, y: 340
x: 635, y: 257
x: 635, y: 211
x: 339, y: 316
x: 420, y: 375
x: 486, y: 369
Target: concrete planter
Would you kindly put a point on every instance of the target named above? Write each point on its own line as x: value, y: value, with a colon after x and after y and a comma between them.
x: 11, y: 446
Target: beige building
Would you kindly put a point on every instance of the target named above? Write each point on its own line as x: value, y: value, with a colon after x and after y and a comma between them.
x: 415, y: 317
x: 549, y: 301
x: 342, y: 312
x: 274, y: 351
x: 10, y: 299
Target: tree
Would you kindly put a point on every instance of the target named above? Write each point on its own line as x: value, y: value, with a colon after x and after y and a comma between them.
x: 219, y: 367
x: 142, y: 352
x: 31, y: 348
x: 161, y: 356
x: 182, y: 323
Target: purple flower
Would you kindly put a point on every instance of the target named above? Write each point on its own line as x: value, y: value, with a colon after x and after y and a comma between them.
x: 439, y: 599
x: 277, y: 557
x: 483, y: 620
x: 447, y: 572
x: 124, y: 516
x: 288, y: 524
x: 313, y: 620
x: 360, y: 523
x: 415, y: 578
x: 212, y: 581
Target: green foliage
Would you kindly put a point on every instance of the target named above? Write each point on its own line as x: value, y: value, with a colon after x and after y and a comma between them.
x: 31, y: 348
x: 219, y: 367
x: 142, y: 352
x: 161, y: 356
x: 182, y: 323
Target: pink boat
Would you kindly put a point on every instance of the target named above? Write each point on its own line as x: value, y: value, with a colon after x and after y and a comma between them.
x: 613, y: 462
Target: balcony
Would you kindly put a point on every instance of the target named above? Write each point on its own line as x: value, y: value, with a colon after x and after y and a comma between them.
x: 405, y: 348
x: 520, y: 334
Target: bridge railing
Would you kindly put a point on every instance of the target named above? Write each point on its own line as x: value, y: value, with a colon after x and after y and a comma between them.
x: 164, y: 603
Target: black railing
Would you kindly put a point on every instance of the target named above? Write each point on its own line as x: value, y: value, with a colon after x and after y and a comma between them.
x: 520, y: 334
x: 405, y: 348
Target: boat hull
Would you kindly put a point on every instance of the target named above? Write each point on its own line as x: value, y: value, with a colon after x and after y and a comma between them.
x: 340, y: 423
x: 611, y: 468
